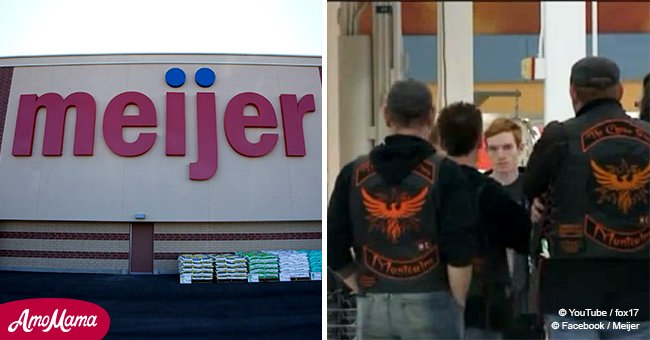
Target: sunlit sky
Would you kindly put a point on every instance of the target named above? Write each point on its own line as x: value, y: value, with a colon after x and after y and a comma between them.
x: 50, y: 27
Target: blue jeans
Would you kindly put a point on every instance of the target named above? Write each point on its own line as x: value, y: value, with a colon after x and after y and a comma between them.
x: 642, y: 333
x: 433, y: 315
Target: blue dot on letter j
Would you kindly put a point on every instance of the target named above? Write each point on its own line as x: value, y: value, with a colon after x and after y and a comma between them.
x: 175, y: 77
x: 205, y: 77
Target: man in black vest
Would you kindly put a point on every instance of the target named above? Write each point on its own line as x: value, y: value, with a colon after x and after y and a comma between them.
x: 400, y: 228
x: 594, y: 172
x: 502, y: 224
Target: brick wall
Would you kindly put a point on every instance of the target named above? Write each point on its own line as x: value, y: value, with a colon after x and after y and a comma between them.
x: 64, y: 246
x: 104, y: 247
x: 6, y: 73
x: 173, y: 239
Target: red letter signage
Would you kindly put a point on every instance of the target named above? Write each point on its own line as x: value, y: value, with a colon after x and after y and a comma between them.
x: 206, y: 121
x: 292, y: 113
x: 56, y: 108
x: 175, y: 124
x: 115, y: 121
x: 235, y: 123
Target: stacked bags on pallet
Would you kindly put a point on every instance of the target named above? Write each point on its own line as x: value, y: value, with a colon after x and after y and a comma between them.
x: 230, y: 267
x: 292, y: 263
x: 198, y: 265
x: 265, y: 265
x: 315, y: 261
x: 220, y: 270
x: 185, y: 265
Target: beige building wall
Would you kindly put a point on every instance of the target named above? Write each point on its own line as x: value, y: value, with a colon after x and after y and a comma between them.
x: 64, y: 246
x: 174, y: 239
x: 105, y: 247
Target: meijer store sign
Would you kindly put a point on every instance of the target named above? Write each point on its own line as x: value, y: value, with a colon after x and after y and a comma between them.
x: 211, y: 138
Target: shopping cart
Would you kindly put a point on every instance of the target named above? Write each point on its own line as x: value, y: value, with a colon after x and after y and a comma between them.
x: 341, y: 310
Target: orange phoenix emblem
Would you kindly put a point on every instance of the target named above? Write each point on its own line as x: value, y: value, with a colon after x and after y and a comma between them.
x: 622, y: 185
x: 394, y: 219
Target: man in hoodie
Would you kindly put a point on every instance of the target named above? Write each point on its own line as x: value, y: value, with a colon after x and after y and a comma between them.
x: 400, y: 228
x: 502, y: 224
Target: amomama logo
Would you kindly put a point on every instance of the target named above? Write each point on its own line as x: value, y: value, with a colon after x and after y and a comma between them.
x: 52, y: 318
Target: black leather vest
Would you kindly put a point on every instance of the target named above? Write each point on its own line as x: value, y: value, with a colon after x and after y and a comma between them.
x: 395, y: 230
x: 602, y: 193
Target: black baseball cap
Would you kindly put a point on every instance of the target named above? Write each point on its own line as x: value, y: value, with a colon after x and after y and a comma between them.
x: 595, y: 72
